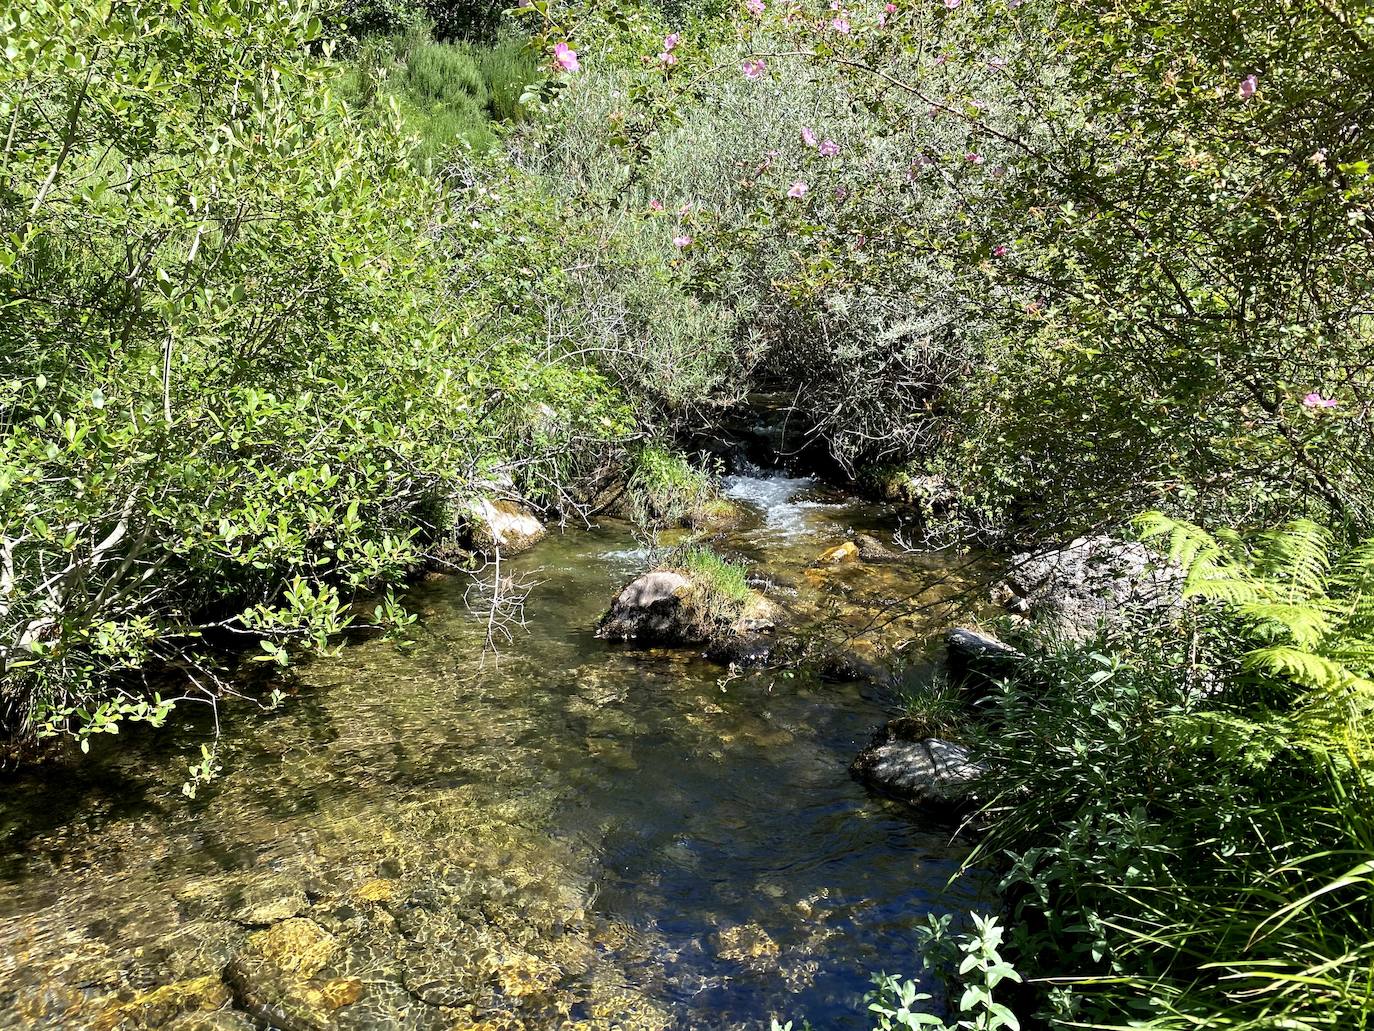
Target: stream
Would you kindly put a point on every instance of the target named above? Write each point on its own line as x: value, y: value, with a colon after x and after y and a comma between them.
x: 563, y: 834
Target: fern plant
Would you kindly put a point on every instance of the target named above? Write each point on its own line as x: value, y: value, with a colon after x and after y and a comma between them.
x: 1305, y: 606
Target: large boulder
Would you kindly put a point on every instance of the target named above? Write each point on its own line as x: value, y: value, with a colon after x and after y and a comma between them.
x: 927, y: 772
x: 654, y: 608
x: 498, y: 525
x: 668, y: 607
x: 1089, y: 583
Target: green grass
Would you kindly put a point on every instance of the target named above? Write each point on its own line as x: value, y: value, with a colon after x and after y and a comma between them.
x: 721, y: 590
x: 937, y: 707
x: 665, y: 489
x: 449, y: 95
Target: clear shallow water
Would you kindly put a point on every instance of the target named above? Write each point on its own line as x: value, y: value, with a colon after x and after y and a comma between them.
x: 567, y: 834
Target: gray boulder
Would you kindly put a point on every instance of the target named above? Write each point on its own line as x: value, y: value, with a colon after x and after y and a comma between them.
x: 1089, y: 583
x: 505, y: 526
x: 974, y: 655
x: 655, y: 608
x: 873, y: 550
x: 926, y: 772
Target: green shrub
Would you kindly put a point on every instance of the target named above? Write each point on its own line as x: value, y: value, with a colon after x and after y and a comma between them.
x: 1172, y: 855
x: 237, y: 384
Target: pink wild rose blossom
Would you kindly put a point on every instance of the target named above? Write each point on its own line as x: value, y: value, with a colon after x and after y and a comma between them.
x: 1315, y: 400
x: 671, y: 40
x: 798, y: 190
x: 840, y: 25
x: 755, y: 7
x: 752, y: 69
x: 655, y: 205
x: 828, y: 149
x: 565, y: 58
x: 1248, y: 86
x: 808, y: 137
x: 682, y: 242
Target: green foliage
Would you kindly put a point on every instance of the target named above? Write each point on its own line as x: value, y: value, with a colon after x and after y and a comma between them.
x: 971, y: 962
x: 1157, y: 820
x: 665, y: 489
x: 237, y: 385
x: 937, y: 707
x: 1307, y: 610
x: 720, y: 588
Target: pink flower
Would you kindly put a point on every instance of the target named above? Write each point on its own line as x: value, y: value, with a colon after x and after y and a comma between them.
x: 841, y: 193
x: 882, y: 20
x: 564, y: 58
x: 752, y: 69
x: 974, y: 158
x: 840, y: 25
x: 889, y: 8
x: 754, y: 7
x: 952, y: 4
x: 666, y: 59
x: 808, y: 137
x: 1315, y: 400
x: 682, y: 242
x: 1001, y: 251
x: 655, y: 205
x: 671, y: 40
x: 828, y: 148
x: 1248, y: 85
x: 685, y: 210
x: 798, y: 190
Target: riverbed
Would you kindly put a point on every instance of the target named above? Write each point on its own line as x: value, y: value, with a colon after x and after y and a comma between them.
x: 561, y: 833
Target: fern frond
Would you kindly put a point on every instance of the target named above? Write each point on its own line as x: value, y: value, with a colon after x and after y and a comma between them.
x: 1297, y: 555
x: 1304, y: 668
x: 1305, y: 623
x: 1228, y: 585
x: 1189, y: 545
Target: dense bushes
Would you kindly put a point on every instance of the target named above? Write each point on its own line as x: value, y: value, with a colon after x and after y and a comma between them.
x: 1186, y: 821
x: 233, y: 358
x: 1079, y: 279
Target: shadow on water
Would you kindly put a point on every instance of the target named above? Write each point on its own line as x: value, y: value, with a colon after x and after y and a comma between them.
x: 564, y: 835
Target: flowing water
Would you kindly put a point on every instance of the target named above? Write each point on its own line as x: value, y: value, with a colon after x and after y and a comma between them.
x: 565, y: 834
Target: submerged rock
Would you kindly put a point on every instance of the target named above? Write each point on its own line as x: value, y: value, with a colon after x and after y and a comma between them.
x: 504, y: 526
x: 162, y: 1006
x: 873, y: 550
x: 846, y: 552
x: 927, y: 772
x: 1089, y: 583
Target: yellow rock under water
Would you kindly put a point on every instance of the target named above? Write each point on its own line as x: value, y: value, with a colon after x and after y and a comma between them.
x: 297, y: 946
x: 375, y: 890
x: 156, y: 1007
x: 846, y: 552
